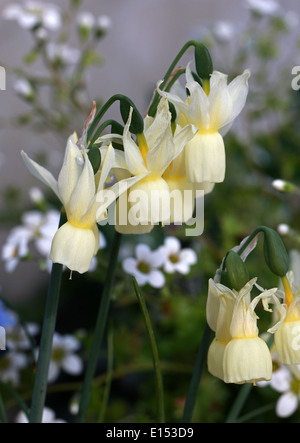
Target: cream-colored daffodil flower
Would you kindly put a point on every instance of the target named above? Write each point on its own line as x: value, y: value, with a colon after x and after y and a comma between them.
x: 247, y: 358
x: 211, y: 108
x: 84, y: 199
x: 148, y: 201
x: 287, y: 329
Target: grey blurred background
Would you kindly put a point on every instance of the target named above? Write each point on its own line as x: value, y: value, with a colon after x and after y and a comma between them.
x: 144, y: 37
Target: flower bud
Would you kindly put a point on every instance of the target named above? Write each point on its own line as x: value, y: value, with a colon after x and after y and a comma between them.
x: 237, y: 272
x: 203, y: 61
x: 275, y: 253
x: 137, y: 122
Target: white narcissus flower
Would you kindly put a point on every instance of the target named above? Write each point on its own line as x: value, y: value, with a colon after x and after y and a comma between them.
x: 85, y: 201
x: 148, y: 201
x: 212, y: 110
x: 247, y: 358
x: 177, y: 259
x: 219, y: 309
x: 145, y: 266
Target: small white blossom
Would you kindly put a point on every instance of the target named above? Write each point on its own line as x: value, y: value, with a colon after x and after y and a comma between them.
x: 16, y: 336
x: 64, y: 357
x: 103, y: 23
x: 145, y: 266
x: 10, y: 366
x: 263, y: 7
x: 33, y: 13
x: 47, y: 417
x: 63, y: 53
x: 15, y: 247
x: 177, y: 259
x: 86, y: 20
x: 286, y: 381
x: 23, y: 88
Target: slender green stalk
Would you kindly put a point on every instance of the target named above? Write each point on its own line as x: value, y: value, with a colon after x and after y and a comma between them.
x: 239, y: 403
x: 45, y: 348
x: 156, y: 363
x: 19, y: 400
x: 187, y: 45
x: 109, y: 375
x: 3, y: 415
x: 99, y: 329
x: 197, y: 375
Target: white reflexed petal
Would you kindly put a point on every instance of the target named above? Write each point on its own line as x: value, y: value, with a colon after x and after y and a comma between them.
x: 220, y: 101
x: 198, y: 113
x: 161, y: 154
x: 106, y: 165
x: 70, y: 171
x: 134, y: 159
x: 159, y: 124
x: 83, y: 193
x: 286, y: 405
x: 41, y: 173
x: 238, y: 90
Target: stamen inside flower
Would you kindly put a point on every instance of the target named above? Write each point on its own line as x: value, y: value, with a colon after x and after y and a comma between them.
x: 288, y: 290
x: 143, y: 267
x: 295, y: 386
x: 143, y: 146
x: 174, y: 258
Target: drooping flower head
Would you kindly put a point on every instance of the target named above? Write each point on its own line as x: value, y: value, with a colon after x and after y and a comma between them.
x: 85, y: 200
x: 211, y: 108
x: 151, y: 154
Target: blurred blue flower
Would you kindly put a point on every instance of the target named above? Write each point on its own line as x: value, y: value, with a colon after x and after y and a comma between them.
x: 7, y: 317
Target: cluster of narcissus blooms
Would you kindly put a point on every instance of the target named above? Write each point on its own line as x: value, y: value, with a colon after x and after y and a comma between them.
x: 237, y: 354
x: 182, y: 155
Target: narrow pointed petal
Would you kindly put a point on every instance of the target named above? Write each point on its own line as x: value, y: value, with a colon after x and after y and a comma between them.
x: 220, y: 111
x: 134, y: 159
x: 83, y: 194
x: 160, y: 123
x: 106, y: 166
x: 70, y: 171
x: 238, y: 90
x: 41, y: 173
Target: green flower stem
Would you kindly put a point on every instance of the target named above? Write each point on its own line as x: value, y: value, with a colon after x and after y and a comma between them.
x: 239, y: 403
x: 45, y: 348
x: 18, y: 399
x: 156, y: 363
x: 153, y: 106
x: 109, y: 375
x: 105, y: 107
x: 3, y: 416
x: 197, y: 375
x: 99, y: 329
